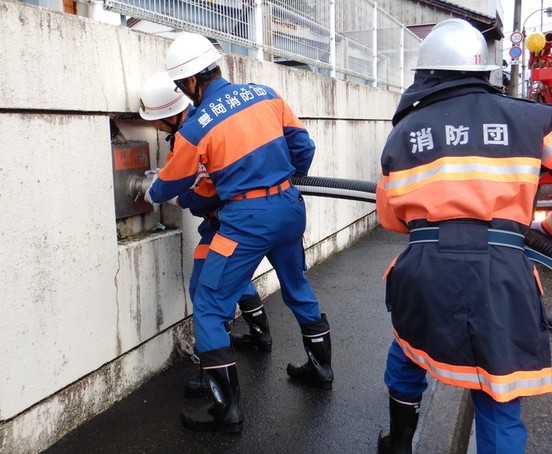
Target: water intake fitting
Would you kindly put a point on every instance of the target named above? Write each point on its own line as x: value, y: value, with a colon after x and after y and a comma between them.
x: 137, y: 186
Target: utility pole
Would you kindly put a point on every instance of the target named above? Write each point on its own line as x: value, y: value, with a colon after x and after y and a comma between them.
x: 514, y: 76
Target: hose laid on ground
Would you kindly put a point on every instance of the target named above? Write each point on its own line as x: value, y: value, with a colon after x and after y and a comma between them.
x: 337, y: 188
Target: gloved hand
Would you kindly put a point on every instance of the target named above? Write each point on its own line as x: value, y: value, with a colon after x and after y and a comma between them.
x: 151, y: 175
x: 537, y: 225
x: 155, y: 171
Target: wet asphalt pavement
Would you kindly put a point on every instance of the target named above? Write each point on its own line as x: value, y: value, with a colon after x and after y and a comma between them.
x: 282, y: 416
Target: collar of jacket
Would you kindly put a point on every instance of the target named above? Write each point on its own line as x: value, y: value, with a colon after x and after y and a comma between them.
x: 213, y: 87
x: 430, y: 86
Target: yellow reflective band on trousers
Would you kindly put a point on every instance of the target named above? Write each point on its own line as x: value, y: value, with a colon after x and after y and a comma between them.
x: 501, y: 388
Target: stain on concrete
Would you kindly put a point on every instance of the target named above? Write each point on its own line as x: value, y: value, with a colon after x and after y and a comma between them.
x: 137, y: 316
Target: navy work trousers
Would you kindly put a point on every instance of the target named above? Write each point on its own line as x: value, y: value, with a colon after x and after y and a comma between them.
x: 251, y: 229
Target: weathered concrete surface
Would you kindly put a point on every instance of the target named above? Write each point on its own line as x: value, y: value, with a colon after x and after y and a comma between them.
x: 75, y: 300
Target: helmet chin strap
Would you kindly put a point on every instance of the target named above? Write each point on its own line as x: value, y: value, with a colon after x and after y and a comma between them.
x: 195, y: 95
x: 174, y: 126
x: 200, y: 78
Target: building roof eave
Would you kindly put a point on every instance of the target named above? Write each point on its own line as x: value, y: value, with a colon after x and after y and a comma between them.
x: 487, y: 25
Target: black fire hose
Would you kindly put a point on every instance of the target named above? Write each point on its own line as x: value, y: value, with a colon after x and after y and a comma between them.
x: 342, y: 188
x: 539, y: 242
x: 337, y: 188
x: 365, y: 191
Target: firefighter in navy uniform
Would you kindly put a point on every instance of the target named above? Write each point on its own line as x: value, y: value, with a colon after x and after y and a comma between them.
x: 251, y: 143
x: 460, y: 174
x: 163, y: 104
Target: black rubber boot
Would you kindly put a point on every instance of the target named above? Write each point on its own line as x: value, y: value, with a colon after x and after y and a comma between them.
x: 197, y: 386
x: 404, y: 419
x: 259, y: 337
x: 317, y: 342
x: 224, y: 413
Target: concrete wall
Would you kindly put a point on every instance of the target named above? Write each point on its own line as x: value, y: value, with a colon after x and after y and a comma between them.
x: 90, y: 305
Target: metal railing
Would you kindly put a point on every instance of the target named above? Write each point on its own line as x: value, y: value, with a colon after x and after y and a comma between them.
x: 347, y: 39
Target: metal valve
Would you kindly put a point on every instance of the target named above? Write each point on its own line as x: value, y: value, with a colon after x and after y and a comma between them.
x: 137, y: 186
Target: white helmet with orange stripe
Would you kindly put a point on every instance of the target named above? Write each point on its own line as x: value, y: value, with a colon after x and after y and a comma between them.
x: 161, y: 98
x: 190, y: 54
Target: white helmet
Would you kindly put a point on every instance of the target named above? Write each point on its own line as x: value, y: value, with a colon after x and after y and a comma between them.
x: 454, y: 45
x: 190, y: 54
x: 161, y: 98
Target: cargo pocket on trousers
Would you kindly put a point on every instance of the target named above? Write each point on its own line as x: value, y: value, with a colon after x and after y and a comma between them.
x: 220, y: 250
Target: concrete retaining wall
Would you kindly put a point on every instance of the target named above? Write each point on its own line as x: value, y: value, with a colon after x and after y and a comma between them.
x: 90, y: 304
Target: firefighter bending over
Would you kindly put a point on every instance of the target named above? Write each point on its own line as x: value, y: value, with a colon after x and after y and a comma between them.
x: 251, y: 143
x: 164, y: 104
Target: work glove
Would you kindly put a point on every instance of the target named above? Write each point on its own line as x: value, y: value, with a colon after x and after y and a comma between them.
x: 151, y: 175
x: 151, y: 172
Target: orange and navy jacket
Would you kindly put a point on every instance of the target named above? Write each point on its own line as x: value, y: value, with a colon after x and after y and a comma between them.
x: 467, y: 153
x: 477, y: 155
x: 246, y: 136
x: 201, y: 199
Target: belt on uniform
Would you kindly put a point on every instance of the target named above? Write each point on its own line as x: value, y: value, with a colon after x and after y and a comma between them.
x: 263, y: 192
x: 495, y: 238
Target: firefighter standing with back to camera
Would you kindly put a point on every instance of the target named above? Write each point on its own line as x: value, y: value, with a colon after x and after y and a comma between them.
x: 251, y: 143
x: 460, y: 174
x: 163, y: 104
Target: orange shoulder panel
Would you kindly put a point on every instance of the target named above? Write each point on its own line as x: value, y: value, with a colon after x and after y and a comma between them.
x: 183, y: 163
x: 240, y: 134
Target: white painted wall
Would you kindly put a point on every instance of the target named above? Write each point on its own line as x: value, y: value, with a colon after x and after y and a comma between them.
x: 86, y: 318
